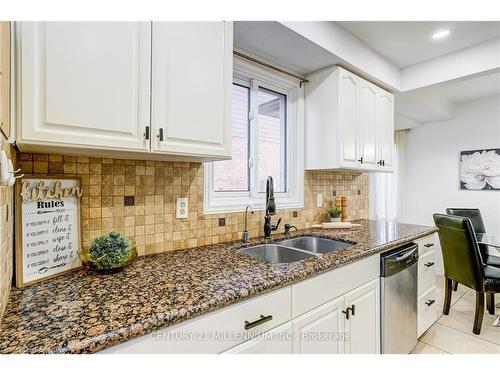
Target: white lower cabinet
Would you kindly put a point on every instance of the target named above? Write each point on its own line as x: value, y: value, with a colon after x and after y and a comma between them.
x: 275, y: 341
x: 320, y: 331
x: 349, y: 324
x: 427, y: 311
x: 363, y: 325
x: 333, y: 313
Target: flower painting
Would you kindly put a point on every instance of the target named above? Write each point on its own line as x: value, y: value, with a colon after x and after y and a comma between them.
x: 480, y: 169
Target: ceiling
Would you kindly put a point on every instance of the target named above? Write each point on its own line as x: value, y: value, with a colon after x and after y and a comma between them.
x: 406, y: 43
x: 464, y: 90
x: 276, y: 43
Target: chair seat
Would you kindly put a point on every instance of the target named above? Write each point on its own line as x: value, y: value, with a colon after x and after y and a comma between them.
x: 491, y: 260
x: 492, y: 279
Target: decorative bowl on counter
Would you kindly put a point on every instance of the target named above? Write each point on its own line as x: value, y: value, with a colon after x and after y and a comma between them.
x: 109, y: 253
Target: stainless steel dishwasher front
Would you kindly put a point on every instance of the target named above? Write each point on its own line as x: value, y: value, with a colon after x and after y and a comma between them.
x: 398, y: 277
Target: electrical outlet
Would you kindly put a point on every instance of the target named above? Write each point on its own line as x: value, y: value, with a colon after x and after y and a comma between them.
x: 319, y: 200
x: 181, y: 211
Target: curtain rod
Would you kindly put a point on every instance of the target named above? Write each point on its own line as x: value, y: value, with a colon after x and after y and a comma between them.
x: 275, y: 68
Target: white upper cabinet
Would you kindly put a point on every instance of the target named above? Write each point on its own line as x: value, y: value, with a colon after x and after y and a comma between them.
x: 349, y: 123
x: 348, y: 132
x: 161, y: 90
x: 191, y: 88
x: 385, y: 126
x: 367, y: 139
x: 85, y: 84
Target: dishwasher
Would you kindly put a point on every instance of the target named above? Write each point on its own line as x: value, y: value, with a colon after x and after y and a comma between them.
x: 398, y: 297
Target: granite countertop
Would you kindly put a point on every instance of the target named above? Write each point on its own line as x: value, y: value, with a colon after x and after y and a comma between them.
x: 84, y: 312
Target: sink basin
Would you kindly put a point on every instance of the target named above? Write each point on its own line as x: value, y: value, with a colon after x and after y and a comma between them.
x: 276, y: 253
x: 316, y: 245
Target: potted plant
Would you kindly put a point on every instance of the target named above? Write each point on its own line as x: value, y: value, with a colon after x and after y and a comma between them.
x: 109, y: 253
x: 335, y: 214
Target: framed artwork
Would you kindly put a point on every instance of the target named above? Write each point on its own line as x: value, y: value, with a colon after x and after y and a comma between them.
x: 480, y: 169
x: 48, y: 234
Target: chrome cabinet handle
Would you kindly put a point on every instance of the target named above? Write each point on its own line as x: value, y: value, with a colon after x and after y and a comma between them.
x: 361, y: 160
x: 430, y: 302
x: 429, y: 245
x: 429, y: 264
x: 263, y: 319
x: 160, y: 134
x: 146, y: 133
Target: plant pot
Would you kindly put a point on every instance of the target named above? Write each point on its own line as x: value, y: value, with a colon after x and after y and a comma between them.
x: 335, y: 220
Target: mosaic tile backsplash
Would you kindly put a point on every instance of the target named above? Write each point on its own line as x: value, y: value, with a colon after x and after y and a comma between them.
x: 155, y: 185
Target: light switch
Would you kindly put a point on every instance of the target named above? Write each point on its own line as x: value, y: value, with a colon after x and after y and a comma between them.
x: 319, y: 200
x: 181, y: 211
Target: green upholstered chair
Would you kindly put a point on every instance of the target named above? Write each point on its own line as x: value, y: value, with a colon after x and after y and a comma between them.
x: 463, y: 264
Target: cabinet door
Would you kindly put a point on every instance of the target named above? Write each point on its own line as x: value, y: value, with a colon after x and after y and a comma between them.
x: 363, y: 325
x: 385, y: 126
x: 321, y: 330
x: 275, y: 341
x: 85, y: 84
x: 367, y: 123
x: 348, y: 109
x: 191, y: 88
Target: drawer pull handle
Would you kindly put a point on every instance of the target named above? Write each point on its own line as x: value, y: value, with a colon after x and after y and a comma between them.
x: 263, y: 319
x: 430, y: 302
x: 429, y: 264
x: 429, y: 245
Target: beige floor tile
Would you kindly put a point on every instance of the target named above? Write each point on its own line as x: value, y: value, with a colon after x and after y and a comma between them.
x: 455, y: 296
x: 461, y: 317
x: 455, y: 341
x: 422, y: 348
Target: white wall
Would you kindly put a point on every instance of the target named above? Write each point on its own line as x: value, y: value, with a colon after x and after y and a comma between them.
x: 432, y: 157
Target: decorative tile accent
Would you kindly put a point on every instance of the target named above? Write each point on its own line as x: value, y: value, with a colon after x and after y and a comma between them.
x: 155, y: 185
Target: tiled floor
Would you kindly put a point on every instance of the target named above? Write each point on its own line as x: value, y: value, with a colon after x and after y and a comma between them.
x: 453, y: 333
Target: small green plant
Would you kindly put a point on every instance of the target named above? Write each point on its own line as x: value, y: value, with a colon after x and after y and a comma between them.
x: 110, y: 251
x: 334, y: 211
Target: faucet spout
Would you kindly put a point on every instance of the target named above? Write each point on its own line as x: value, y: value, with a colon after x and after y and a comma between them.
x: 270, y: 209
x: 270, y: 204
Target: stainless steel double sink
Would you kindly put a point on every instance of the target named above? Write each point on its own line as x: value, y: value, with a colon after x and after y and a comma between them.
x: 294, y: 249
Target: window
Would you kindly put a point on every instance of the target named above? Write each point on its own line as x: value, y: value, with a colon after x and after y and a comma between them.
x: 267, y: 140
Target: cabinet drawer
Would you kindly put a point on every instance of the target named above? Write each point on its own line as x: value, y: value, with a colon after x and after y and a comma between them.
x: 217, y: 331
x: 426, y: 244
x: 427, y: 311
x: 275, y: 341
x: 321, y: 289
x: 426, y: 272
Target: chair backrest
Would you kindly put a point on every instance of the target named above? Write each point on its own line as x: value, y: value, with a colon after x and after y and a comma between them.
x: 461, y: 257
x: 473, y: 214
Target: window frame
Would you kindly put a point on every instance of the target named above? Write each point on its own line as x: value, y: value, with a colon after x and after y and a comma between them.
x: 254, y: 76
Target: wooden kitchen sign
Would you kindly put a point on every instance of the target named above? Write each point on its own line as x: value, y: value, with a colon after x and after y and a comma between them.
x: 48, y: 233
